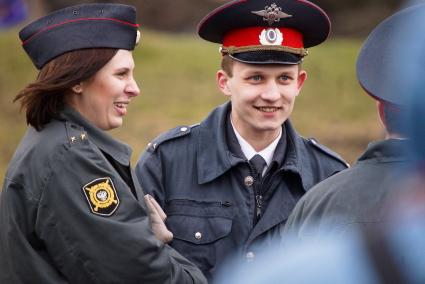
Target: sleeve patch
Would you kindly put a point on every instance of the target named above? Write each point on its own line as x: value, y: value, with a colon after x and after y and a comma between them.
x: 102, y: 197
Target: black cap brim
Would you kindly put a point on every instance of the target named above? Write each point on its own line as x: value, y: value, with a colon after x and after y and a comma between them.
x: 267, y: 57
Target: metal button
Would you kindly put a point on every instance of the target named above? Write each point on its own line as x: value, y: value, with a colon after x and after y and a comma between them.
x: 183, y: 129
x: 198, y: 235
x: 249, y: 181
x: 250, y: 256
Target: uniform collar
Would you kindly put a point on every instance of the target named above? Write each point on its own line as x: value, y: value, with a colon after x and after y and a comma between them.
x: 389, y: 150
x: 290, y: 154
x: 298, y: 158
x: 214, y: 157
x: 249, y: 151
x: 117, y: 150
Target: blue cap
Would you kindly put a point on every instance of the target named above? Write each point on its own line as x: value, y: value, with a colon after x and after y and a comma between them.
x: 391, y: 62
x: 80, y: 27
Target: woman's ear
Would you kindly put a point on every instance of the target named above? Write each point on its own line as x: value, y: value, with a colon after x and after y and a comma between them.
x: 78, y: 89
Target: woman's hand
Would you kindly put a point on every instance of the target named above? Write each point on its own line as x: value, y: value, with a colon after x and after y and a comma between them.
x: 158, y: 217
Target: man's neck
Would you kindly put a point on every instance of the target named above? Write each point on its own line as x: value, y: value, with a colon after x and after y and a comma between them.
x: 258, y: 140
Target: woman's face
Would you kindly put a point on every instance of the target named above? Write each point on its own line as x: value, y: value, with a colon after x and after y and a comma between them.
x: 103, y: 99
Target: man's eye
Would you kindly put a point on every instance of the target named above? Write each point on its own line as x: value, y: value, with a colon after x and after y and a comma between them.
x: 255, y: 78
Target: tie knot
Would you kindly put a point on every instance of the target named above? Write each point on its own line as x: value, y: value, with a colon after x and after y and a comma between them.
x: 258, y: 163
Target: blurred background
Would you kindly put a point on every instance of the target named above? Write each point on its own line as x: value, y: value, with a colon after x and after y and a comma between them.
x: 176, y: 73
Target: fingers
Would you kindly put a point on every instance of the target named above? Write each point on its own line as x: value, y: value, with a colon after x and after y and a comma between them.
x: 153, y: 213
x: 157, y: 217
x: 149, y: 204
x: 157, y: 207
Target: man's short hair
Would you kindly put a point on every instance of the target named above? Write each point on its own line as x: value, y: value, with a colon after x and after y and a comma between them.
x: 227, y: 65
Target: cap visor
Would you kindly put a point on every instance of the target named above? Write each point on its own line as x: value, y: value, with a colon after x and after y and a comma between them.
x: 267, y: 57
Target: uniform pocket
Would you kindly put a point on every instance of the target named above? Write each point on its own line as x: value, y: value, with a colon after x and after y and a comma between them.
x: 201, y: 230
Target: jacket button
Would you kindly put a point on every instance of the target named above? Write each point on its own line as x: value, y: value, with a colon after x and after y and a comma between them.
x: 250, y: 256
x: 198, y: 235
x: 249, y: 181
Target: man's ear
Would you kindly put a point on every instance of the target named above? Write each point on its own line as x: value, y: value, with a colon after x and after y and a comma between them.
x: 223, y: 82
x: 381, y: 112
x: 302, y: 76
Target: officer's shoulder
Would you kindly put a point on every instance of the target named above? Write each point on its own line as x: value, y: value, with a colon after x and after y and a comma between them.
x: 57, y: 135
x: 75, y: 134
x: 63, y: 132
x: 325, y: 150
x: 171, y: 135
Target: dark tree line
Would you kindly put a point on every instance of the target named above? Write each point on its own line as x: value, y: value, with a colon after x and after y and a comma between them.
x: 349, y: 17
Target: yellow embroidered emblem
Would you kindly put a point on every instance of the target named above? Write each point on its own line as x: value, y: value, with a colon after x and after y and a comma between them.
x: 101, y: 196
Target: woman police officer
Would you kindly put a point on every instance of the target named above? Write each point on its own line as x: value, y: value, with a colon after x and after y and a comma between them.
x: 70, y: 209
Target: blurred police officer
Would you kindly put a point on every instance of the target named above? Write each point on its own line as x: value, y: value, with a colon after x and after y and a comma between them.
x: 70, y: 209
x: 228, y: 182
x: 386, y: 65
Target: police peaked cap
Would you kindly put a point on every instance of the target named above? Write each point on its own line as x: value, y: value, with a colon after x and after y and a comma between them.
x: 80, y: 27
x: 390, y: 65
x: 266, y: 31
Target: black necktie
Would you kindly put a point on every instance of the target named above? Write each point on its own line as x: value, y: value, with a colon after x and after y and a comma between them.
x: 258, y: 163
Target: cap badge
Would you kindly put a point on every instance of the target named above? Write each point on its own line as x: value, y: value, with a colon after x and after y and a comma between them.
x: 271, y: 37
x: 101, y: 196
x: 272, y: 14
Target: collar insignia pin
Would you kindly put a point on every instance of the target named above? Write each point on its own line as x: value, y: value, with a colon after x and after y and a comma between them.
x: 272, y: 14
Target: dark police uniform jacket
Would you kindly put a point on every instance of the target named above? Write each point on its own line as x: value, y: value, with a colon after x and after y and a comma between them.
x: 203, y: 181
x: 352, y: 199
x: 71, y: 212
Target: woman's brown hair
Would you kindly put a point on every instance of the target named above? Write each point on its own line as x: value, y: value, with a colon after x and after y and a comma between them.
x: 43, y: 99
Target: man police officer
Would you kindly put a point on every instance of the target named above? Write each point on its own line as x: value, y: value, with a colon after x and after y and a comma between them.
x: 227, y: 183
x: 355, y: 198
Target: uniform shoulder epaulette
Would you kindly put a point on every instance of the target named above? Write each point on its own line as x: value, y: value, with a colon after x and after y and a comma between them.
x: 75, y: 133
x: 174, y: 133
x: 326, y: 150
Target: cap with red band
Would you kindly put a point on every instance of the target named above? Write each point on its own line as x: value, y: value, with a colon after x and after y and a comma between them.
x: 264, y: 31
x: 80, y: 27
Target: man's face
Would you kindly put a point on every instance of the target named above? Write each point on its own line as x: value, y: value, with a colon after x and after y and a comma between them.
x: 262, y: 96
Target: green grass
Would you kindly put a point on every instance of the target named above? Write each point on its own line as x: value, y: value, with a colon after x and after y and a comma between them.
x: 176, y: 74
